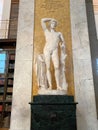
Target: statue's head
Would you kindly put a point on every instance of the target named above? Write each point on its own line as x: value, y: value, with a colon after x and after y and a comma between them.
x: 53, y: 24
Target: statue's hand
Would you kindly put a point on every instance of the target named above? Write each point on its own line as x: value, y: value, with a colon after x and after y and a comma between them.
x: 53, y: 19
x: 62, y: 46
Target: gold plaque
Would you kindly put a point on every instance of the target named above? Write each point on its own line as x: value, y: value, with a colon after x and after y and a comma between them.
x: 59, y: 10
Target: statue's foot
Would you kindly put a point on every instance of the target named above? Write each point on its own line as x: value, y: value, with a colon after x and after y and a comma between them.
x: 59, y: 88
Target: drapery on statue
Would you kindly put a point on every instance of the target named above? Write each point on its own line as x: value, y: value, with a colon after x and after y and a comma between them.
x: 50, y: 52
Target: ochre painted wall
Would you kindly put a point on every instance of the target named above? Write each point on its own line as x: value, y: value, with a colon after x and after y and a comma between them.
x: 60, y: 10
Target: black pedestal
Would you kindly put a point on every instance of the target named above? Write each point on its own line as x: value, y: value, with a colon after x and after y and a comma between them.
x: 53, y: 113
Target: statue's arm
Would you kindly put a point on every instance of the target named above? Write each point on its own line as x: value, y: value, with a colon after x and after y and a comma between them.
x: 62, y: 45
x: 43, y: 22
x: 62, y: 40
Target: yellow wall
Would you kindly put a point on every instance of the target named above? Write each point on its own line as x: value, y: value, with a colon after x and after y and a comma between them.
x: 60, y: 10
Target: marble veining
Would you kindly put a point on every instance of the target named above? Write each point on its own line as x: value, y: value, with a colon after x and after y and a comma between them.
x: 20, y: 117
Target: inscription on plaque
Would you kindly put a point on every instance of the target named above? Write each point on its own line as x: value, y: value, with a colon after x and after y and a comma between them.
x: 52, y: 5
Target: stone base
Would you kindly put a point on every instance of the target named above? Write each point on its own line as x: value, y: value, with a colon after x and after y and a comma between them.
x: 57, y: 112
x: 43, y: 91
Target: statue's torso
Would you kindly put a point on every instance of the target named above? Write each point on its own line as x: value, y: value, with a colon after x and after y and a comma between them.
x: 52, y: 40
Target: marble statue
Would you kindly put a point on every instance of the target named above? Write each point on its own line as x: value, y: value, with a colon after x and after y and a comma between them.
x: 53, y: 39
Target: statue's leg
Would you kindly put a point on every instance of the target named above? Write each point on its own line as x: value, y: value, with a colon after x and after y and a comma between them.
x: 47, y: 61
x: 55, y: 59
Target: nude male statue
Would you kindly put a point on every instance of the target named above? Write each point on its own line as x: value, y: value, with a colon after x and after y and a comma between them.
x: 53, y: 40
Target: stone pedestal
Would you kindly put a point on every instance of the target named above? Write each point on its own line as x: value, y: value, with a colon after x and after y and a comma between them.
x: 53, y: 113
x: 44, y: 91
